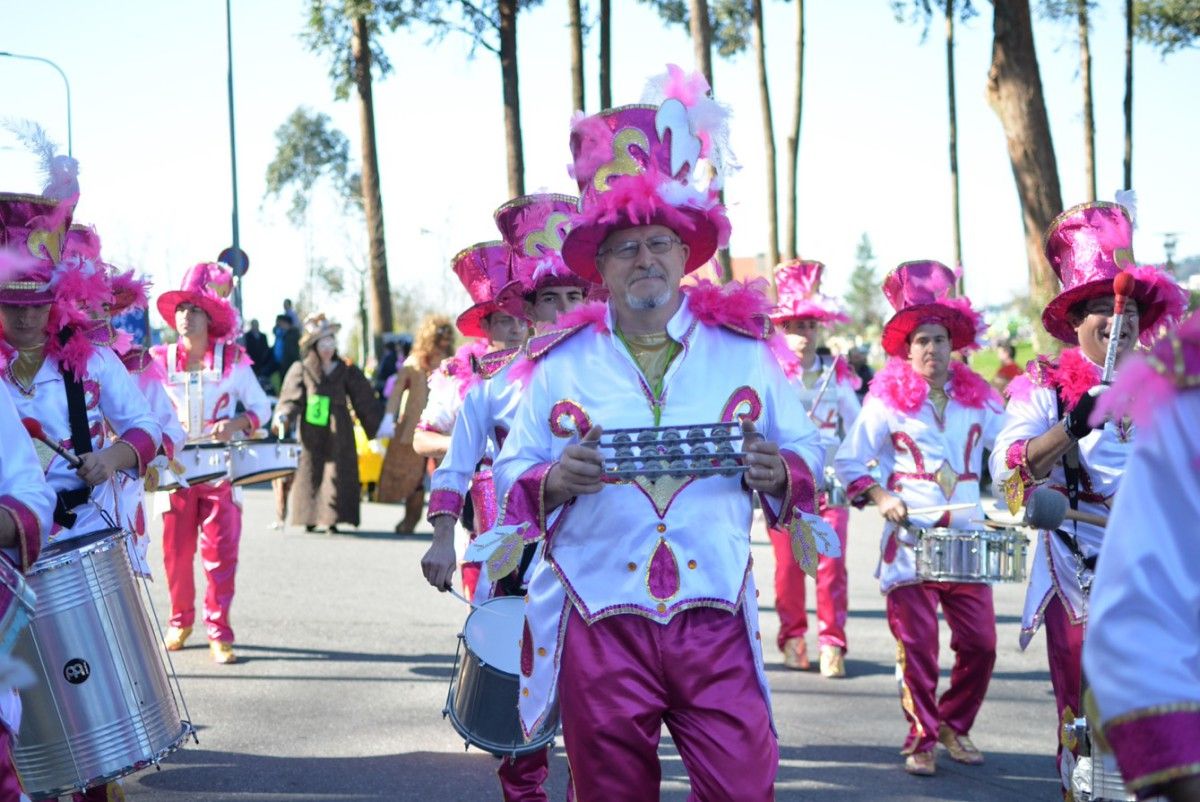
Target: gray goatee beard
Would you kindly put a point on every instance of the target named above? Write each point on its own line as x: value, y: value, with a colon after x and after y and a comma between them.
x: 653, y: 302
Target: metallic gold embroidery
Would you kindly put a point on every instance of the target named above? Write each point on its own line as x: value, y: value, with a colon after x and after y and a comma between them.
x: 906, y: 699
x: 661, y: 491
x: 947, y: 479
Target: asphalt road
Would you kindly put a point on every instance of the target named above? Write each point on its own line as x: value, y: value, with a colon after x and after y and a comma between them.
x: 345, y: 655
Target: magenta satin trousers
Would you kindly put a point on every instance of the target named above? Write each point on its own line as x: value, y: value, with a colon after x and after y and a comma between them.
x: 832, y: 598
x: 210, y: 513
x: 625, y: 676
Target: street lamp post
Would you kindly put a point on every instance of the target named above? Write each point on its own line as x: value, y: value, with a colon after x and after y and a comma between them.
x: 66, y: 83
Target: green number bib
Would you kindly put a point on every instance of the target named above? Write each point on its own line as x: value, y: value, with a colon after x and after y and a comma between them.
x: 316, y: 411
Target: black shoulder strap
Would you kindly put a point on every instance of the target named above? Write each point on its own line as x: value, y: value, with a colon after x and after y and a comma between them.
x: 1072, y: 473
x: 81, y: 436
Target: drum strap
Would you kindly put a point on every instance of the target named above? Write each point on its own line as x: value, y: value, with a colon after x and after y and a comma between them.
x: 1071, y: 470
x: 81, y: 443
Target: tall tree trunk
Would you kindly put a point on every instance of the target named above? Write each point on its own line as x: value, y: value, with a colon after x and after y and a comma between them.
x: 764, y: 93
x: 793, y: 142
x: 702, y: 43
x: 954, y: 200
x: 605, y: 55
x: 1129, y: 94
x: 512, y: 97
x: 381, y: 293
x: 1089, y: 122
x: 1015, y: 94
x: 576, y: 25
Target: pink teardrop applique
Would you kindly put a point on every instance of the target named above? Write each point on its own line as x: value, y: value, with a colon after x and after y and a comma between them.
x: 526, y: 651
x: 663, y: 575
x: 889, y: 549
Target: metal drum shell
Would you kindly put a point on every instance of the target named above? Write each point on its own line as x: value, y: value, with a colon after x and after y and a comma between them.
x: 254, y: 461
x: 971, y: 556
x: 103, y: 706
x: 202, y: 462
x: 16, y: 616
x: 475, y: 704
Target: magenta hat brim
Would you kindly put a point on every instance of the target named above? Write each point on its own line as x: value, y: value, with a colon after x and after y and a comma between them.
x: 26, y: 297
x: 510, y: 300
x: 580, y: 246
x: 897, y: 330
x: 1057, y: 323
x: 221, y: 317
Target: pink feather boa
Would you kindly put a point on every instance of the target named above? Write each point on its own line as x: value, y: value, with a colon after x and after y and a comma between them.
x: 1148, y: 382
x: 738, y: 305
x: 457, y: 369
x: 592, y: 313
x: 902, y: 389
x: 1072, y: 374
x: 1156, y: 287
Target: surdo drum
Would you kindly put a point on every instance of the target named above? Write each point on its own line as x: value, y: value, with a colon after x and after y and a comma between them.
x: 956, y: 555
x: 484, y: 686
x: 103, y: 706
x: 202, y: 462
x: 253, y: 461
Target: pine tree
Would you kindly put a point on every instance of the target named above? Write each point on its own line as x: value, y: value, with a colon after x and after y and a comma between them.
x: 863, y: 297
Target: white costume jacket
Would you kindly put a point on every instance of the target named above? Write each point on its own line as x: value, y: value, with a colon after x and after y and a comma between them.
x: 928, y: 460
x: 116, y: 409
x: 1033, y: 410
x: 644, y: 548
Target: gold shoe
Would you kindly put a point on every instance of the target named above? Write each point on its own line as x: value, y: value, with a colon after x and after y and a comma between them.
x: 175, y: 638
x: 959, y: 746
x: 222, y: 652
x: 795, y: 654
x: 922, y: 764
x: 833, y: 662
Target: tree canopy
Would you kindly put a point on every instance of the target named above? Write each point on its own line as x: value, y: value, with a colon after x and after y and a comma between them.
x: 1169, y: 25
x: 308, y: 149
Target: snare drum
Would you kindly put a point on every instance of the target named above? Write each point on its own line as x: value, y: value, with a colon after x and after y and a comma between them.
x: 253, y: 461
x: 102, y: 707
x: 986, y: 556
x: 202, y: 462
x: 484, y: 686
x: 16, y: 609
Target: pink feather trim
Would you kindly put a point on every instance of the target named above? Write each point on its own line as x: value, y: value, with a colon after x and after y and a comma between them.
x: 1073, y: 375
x: 1020, y: 389
x: 593, y: 313
x: 1146, y: 383
x: 521, y: 371
x: 738, y: 305
x: 902, y: 389
x: 962, y: 305
x: 458, y: 367
x: 787, y: 360
x: 845, y: 374
x: 595, y: 146
x: 1157, y: 288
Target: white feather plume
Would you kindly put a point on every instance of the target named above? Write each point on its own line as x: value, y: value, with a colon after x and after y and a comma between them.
x: 60, y: 173
x: 1128, y: 199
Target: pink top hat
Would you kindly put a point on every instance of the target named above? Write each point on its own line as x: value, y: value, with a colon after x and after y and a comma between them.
x: 534, y: 226
x: 634, y: 166
x: 920, y: 292
x: 1087, y: 246
x: 485, y: 269
x: 798, y: 284
x: 207, y: 285
x: 33, y: 230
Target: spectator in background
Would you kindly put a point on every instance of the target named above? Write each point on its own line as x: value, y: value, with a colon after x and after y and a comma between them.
x: 291, y: 314
x: 386, y: 369
x: 1009, y: 369
x: 287, y: 343
x: 858, y: 360
x: 259, y: 351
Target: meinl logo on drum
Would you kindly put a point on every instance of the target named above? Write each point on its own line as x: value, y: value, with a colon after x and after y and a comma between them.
x: 77, y: 671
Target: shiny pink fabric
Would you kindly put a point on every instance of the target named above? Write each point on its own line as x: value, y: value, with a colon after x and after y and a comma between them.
x: 10, y: 781
x: 832, y: 595
x: 623, y: 677
x: 1156, y: 744
x: 912, y: 616
x: 210, y: 512
x: 483, y: 499
x: 521, y: 778
x: 444, y: 502
x: 1064, y: 650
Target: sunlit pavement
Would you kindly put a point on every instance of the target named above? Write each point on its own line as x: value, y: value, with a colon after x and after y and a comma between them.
x: 345, y: 656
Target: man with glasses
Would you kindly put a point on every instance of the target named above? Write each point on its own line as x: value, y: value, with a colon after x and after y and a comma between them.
x: 642, y: 611
x: 1048, y: 438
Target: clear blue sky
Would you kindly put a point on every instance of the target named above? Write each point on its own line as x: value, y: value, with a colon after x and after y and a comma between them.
x: 150, y: 131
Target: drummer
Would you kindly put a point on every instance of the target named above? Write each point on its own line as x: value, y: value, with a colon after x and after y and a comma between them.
x: 207, y: 376
x: 499, y: 317
x: 643, y: 610
x: 827, y: 386
x: 926, y: 420
x: 533, y: 227
x: 1047, y: 435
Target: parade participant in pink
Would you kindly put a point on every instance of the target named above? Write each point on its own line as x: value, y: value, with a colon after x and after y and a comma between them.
x: 642, y: 611
x: 500, y: 318
x: 1147, y: 586
x: 533, y: 227
x: 1047, y: 436
x: 206, y: 377
x: 827, y: 388
x: 927, y: 420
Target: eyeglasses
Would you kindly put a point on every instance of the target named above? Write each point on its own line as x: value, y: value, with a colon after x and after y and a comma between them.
x: 627, y: 251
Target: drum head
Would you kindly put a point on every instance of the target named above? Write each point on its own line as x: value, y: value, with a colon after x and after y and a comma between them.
x: 67, y: 545
x: 493, y: 632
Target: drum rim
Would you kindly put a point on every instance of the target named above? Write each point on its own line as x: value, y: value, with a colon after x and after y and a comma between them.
x: 54, y: 557
x: 266, y: 476
x: 202, y: 446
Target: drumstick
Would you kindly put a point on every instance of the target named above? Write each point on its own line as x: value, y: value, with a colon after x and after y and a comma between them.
x: 1123, y: 286
x: 34, y: 428
x: 468, y: 602
x: 940, y: 508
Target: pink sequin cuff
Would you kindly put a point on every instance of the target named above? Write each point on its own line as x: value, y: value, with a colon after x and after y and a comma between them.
x: 444, y: 502
x: 29, y: 530
x: 857, y: 490
x: 800, y: 491
x: 422, y: 426
x: 142, y: 444
x: 525, y: 502
x: 255, y: 423
x: 1156, y: 745
x: 1016, y: 459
